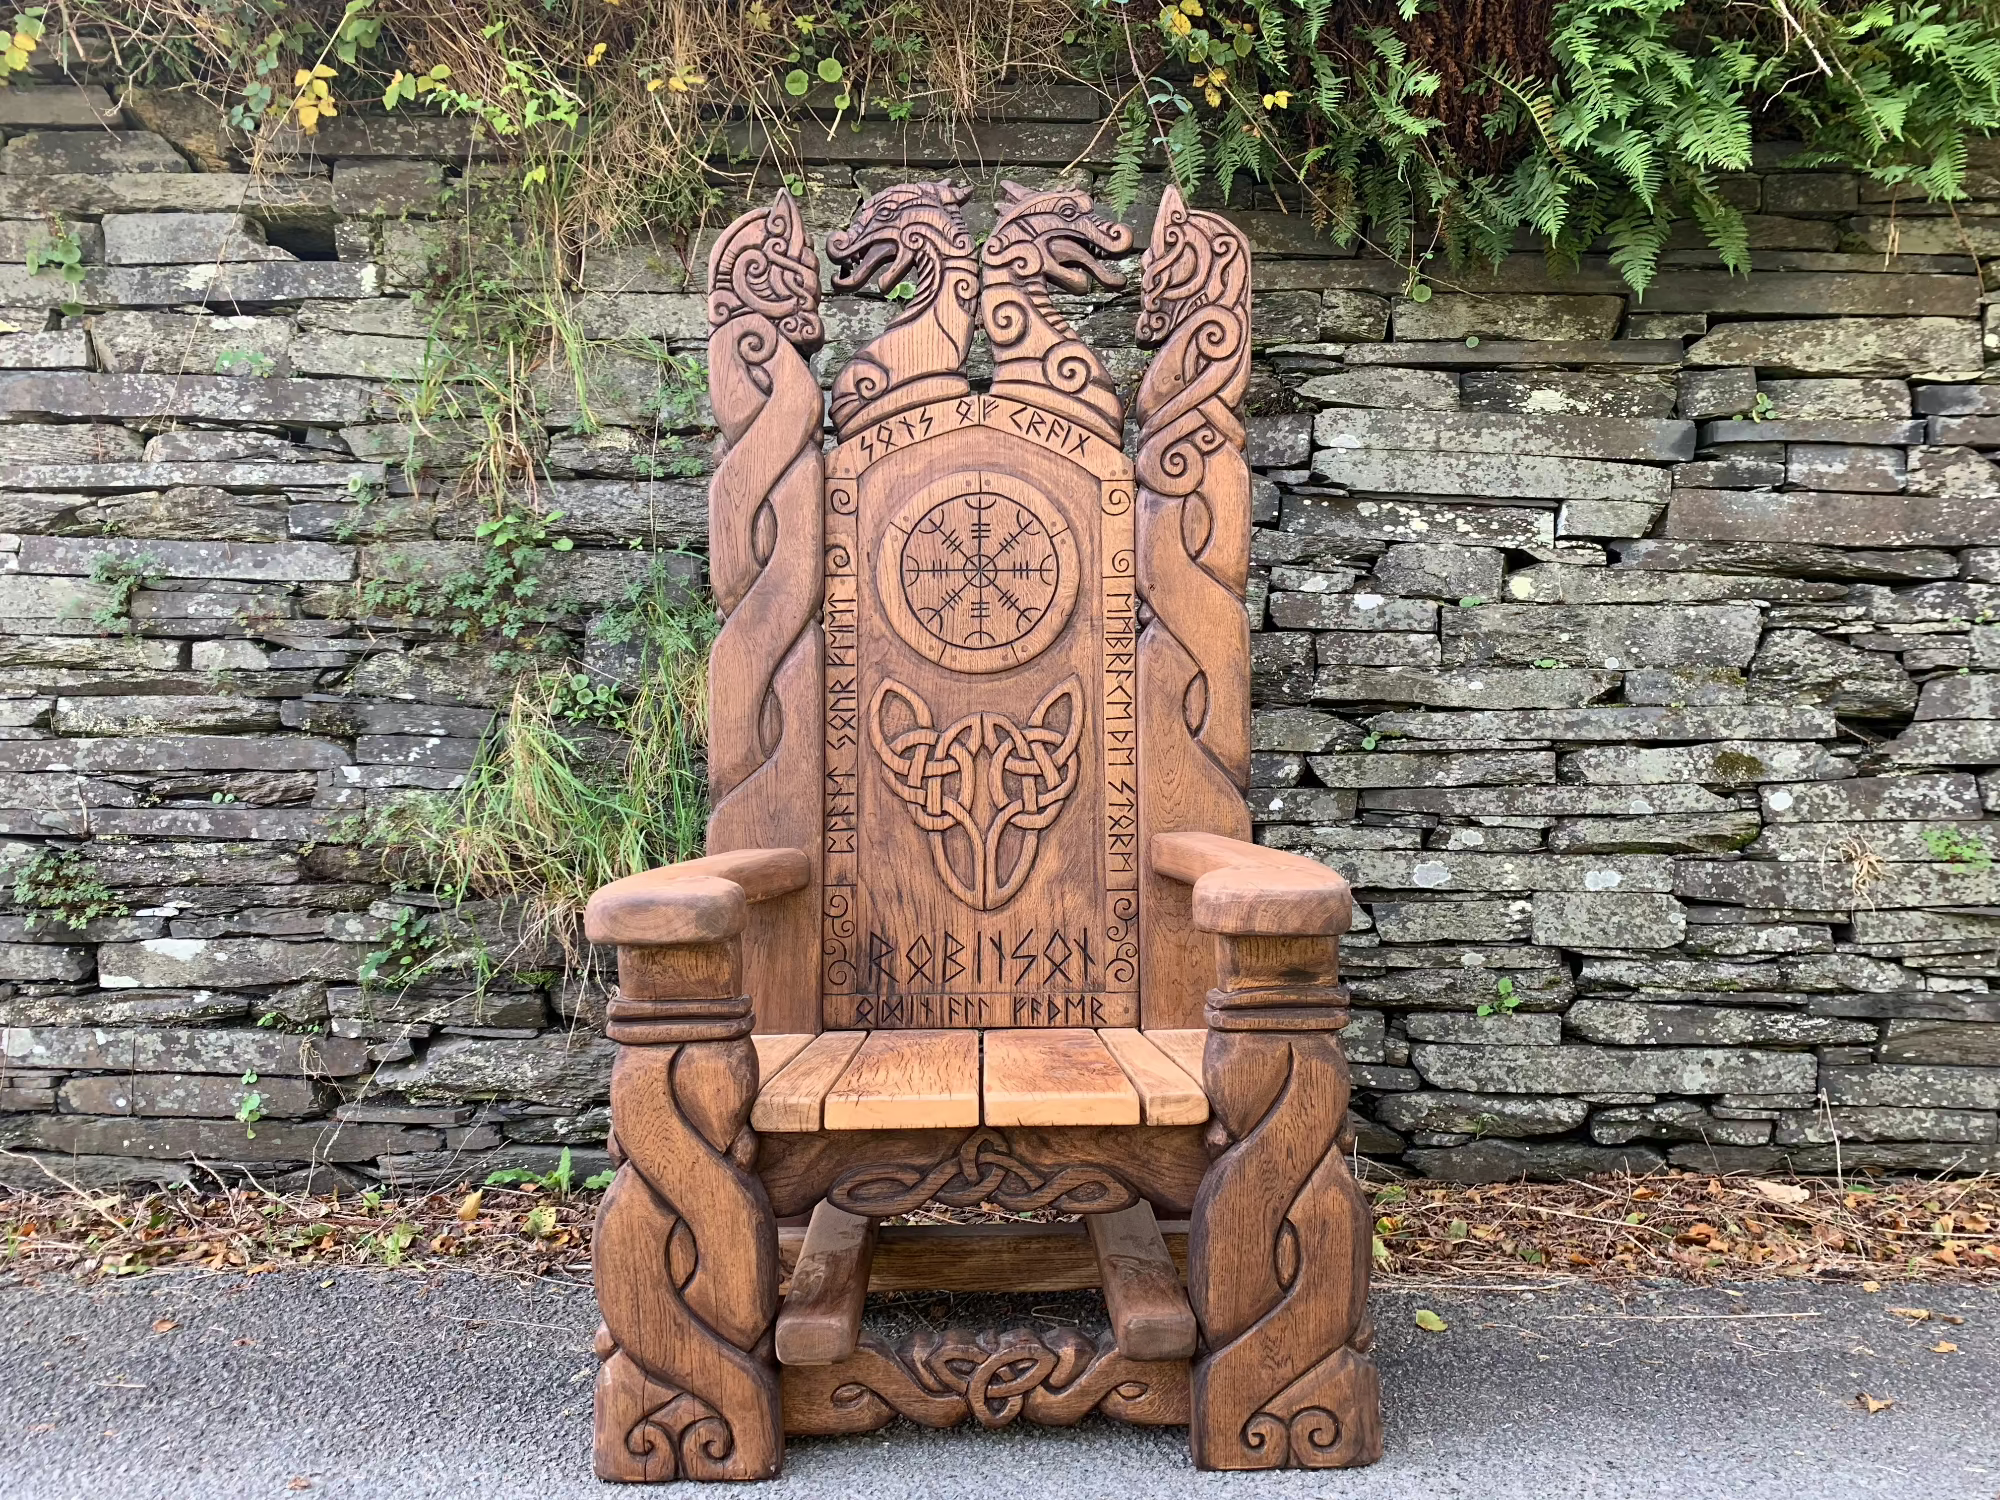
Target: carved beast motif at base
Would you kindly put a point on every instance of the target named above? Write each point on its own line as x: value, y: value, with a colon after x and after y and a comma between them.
x: 994, y: 1378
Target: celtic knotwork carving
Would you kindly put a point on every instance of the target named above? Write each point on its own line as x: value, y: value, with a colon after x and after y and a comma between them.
x: 982, y: 1170
x: 1044, y: 239
x: 991, y: 1376
x: 909, y: 233
x: 983, y: 788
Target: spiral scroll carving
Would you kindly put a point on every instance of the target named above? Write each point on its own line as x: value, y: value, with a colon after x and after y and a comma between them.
x: 1044, y: 240
x: 1194, y: 560
x: 992, y: 1377
x: 764, y: 533
x: 687, y: 1275
x: 1281, y: 1291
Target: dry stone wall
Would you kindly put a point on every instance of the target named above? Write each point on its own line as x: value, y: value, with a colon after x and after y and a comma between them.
x: 1634, y: 659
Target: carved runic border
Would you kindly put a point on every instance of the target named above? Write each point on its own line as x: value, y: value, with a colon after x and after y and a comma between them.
x: 1112, y: 717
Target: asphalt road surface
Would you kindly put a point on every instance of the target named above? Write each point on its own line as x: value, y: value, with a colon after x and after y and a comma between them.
x: 381, y: 1386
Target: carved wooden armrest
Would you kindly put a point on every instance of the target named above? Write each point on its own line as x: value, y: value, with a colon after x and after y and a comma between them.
x: 679, y: 935
x: 1277, y: 918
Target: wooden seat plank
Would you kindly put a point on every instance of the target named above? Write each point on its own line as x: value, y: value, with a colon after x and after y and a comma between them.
x: 1142, y: 1289
x: 776, y: 1049
x: 1167, y: 1095
x: 908, y: 1080
x: 1064, y: 1076
x: 792, y: 1100
x: 1184, y: 1048
x: 820, y: 1323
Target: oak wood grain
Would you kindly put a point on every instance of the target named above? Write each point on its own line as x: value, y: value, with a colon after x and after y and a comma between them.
x: 776, y: 1049
x: 907, y: 1080
x: 1168, y: 1094
x: 821, y: 1316
x: 1241, y: 888
x: 1062, y: 1077
x: 793, y: 1100
x: 1183, y: 1046
x: 1142, y: 1288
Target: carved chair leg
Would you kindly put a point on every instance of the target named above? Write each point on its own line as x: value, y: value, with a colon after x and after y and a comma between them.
x: 1278, y: 1255
x: 687, y: 1255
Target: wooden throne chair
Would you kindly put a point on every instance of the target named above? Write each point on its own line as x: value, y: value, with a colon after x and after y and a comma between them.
x: 982, y: 923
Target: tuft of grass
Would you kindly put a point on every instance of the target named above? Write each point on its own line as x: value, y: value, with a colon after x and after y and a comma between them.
x: 572, y: 791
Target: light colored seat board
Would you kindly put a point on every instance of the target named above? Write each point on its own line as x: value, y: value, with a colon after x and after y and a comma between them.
x: 1167, y: 1095
x: 792, y: 1100
x: 982, y: 1257
x: 908, y: 1080
x: 776, y: 1049
x: 1183, y: 1048
x: 1059, y: 1076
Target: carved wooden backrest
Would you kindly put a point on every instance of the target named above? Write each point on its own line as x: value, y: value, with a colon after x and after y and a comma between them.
x: 974, y: 657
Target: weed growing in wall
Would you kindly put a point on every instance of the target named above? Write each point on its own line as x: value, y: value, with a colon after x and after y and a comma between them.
x: 63, y: 886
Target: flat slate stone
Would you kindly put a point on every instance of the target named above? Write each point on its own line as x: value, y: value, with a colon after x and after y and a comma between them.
x: 109, y: 476
x: 1808, y: 294
x: 215, y: 285
x: 201, y: 397
x: 1798, y: 559
x: 1343, y: 518
x: 1936, y: 347
x: 1531, y: 316
x: 1594, y: 1070
x: 1615, y: 723
x: 1420, y: 472
x: 1401, y: 390
x: 56, y: 106
x: 1519, y: 352
x: 224, y: 1140
x: 1879, y: 431
x: 283, y: 561
x: 273, y: 199
x: 1837, y: 519
x: 1627, y: 438
x: 1549, y: 801
x: 41, y: 153
x: 174, y: 1050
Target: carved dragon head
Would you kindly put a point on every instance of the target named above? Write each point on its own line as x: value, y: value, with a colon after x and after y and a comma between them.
x: 1055, y: 234
x: 903, y: 232
x: 766, y: 265
x: 1196, y: 261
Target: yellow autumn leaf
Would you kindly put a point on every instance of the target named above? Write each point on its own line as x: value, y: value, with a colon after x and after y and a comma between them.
x: 309, y: 119
x: 326, y: 109
x: 1944, y: 1346
x: 654, y: 85
x: 1430, y: 1322
x: 1914, y: 1314
x: 301, y: 78
x: 16, y: 59
x: 596, y: 55
x: 1873, y: 1404
x: 677, y: 84
x: 1214, y: 97
x: 468, y: 1208
x: 23, y: 42
x: 1181, y: 24
x: 321, y: 70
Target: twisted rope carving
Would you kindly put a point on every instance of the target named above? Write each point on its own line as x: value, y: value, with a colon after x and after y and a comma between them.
x: 1287, y: 1380
x: 764, y: 500
x: 981, y: 779
x: 686, y: 1273
x: 1194, y: 486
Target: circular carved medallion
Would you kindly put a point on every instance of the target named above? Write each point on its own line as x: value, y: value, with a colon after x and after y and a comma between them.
x: 978, y: 572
